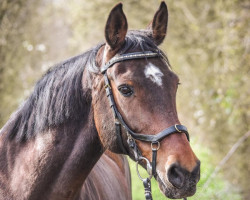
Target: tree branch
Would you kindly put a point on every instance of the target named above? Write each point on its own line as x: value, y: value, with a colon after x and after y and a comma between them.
x: 226, y: 158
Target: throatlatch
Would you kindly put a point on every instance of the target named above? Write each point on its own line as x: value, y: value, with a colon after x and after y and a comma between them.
x: 132, y: 136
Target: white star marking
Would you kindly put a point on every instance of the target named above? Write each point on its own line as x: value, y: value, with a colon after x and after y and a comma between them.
x: 153, y: 73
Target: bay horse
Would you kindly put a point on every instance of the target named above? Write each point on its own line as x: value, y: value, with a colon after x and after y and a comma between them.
x: 119, y: 96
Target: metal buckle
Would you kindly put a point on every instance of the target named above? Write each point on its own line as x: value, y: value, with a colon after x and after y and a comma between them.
x: 177, y: 128
x: 131, y: 142
x: 117, y: 121
x: 107, y: 86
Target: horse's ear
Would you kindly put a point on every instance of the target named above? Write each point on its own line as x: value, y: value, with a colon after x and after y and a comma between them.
x: 159, y: 24
x: 116, y: 28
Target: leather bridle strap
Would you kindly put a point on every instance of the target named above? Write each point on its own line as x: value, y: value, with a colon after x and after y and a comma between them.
x: 114, y: 109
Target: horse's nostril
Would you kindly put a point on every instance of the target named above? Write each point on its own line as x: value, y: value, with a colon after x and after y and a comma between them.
x: 176, y: 176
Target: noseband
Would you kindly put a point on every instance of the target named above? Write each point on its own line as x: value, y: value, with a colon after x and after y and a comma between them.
x: 132, y: 136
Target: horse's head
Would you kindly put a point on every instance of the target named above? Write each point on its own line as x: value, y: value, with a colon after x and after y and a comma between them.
x: 144, y: 93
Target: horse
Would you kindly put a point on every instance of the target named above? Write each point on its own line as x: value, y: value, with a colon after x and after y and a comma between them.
x: 118, y: 96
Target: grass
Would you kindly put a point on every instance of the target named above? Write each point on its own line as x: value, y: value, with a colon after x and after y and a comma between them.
x: 218, y: 188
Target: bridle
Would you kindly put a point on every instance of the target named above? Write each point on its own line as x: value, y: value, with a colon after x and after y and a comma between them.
x: 132, y: 136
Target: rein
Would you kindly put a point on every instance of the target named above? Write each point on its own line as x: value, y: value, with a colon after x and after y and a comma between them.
x: 132, y: 136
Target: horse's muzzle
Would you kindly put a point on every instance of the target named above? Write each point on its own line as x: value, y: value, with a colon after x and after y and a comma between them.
x: 178, y: 182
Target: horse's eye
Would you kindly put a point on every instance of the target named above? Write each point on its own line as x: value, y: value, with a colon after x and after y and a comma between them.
x: 125, y: 90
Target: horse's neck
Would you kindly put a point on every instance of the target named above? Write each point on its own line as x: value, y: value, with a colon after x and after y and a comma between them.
x: 52, y: 165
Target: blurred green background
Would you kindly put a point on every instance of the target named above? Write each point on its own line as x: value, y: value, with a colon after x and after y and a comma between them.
x: 208, y: 45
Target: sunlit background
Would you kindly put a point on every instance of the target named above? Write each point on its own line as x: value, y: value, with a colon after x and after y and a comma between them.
x: 208, y: 45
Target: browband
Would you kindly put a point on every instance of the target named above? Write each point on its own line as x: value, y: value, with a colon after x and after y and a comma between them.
x: 128, y: 56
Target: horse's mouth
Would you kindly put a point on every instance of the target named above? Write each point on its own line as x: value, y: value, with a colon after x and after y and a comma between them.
x: 172, y: 192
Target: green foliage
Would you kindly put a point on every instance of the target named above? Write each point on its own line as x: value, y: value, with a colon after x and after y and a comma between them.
x: 17, y: 53
x: 213, y: 65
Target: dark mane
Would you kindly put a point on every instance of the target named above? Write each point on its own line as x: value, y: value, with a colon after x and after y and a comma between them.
x: 59, y: 97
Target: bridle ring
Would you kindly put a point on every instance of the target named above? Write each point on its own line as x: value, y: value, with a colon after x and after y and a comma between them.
x: 148, y: 166
x: 155, y: 143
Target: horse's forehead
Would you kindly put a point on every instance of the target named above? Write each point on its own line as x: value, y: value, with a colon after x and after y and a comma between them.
x: 150, y: 70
